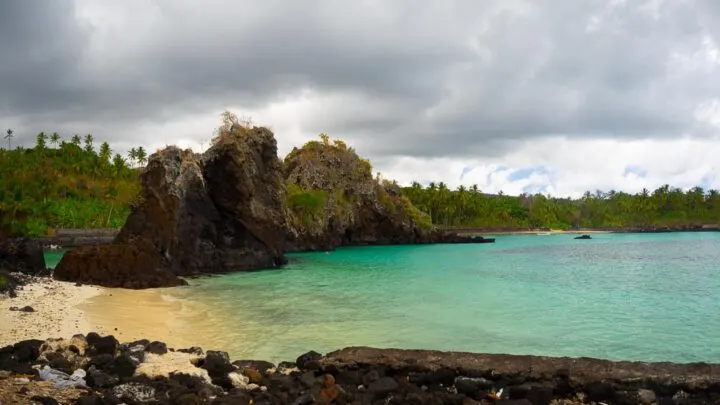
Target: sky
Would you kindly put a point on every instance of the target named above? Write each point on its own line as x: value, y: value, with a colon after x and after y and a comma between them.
x: 551, y: 96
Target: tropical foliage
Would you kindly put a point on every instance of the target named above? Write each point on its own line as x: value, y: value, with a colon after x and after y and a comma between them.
x: 65, y: 184
x: 469, y: 207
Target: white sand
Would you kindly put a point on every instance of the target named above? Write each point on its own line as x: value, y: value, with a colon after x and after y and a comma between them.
x: 63, y: 309
x: 56, y: 312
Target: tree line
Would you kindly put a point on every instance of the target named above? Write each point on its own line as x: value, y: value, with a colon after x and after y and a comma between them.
x: 68, y: 184
x: 663, y: 207
x: 61, y: 183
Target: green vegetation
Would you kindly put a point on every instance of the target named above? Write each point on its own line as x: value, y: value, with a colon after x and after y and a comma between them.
x: 65, y: 185
x: 306, y: 204
x: 468, y: 207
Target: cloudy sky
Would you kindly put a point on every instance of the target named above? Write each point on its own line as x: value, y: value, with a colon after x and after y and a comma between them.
x: 557, y: 96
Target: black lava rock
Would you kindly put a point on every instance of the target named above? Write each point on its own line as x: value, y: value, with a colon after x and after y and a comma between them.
x: 157, y: 348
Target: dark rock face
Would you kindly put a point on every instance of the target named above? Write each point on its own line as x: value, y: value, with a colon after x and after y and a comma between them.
x: 217, y: 212
x: 22, y: 255
x: 136, y: 265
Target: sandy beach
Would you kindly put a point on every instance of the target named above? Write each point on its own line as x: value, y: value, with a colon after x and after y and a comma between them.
x: 57, y: 312
x: 62, y: 309
x: 154, y: 314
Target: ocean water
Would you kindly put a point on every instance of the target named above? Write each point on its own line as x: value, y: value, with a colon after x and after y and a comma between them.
x: 649, y: 297
x: 52, y: 257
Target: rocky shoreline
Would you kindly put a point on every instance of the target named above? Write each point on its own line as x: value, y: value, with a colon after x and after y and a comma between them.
x: 95, y: 370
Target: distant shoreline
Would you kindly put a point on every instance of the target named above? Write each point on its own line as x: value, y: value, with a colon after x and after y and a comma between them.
x: 70, y: 238
x: 486, y: 231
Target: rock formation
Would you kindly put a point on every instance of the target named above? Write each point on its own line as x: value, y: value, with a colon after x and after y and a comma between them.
x: 144, y: 372
x: 237, y: 207
x: 22, y: 255
x: 220, y: 211
x: 334, y: 200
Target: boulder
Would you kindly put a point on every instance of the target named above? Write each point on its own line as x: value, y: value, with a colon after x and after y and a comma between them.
x: 22, y: 255
x: 217, y: 212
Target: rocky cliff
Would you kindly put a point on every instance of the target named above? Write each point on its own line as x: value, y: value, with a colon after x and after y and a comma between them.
x: 334, y: 200
x: 220, y: 211
x: 238, y: 207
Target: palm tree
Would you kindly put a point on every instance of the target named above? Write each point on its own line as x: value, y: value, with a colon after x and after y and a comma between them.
x: 55, y: 138
x: 132, y: 155
x: 89, y: 142
x: 105, y: 152
x: 75, y: 140
x: 41, y: 140
x: 141, y: 155
x: 9, y: 136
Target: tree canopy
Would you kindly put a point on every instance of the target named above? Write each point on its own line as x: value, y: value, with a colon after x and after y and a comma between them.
x: 469, y: 207
x: 66, y: 185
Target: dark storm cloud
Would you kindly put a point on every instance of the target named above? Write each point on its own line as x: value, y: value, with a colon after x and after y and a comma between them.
x: 444, y: 78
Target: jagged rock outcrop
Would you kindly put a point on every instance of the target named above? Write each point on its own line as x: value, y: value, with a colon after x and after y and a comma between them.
x: 220, y: 211
x: 334, y: 201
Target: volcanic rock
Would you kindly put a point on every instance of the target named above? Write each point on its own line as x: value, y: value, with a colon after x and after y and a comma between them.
x: 217, y: 212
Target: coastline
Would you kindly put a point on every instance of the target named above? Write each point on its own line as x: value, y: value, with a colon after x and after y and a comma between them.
x: 154, y: 314
x: 56, y: 307
x: 63, y: 309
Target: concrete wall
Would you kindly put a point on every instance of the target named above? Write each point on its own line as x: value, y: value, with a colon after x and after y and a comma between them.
x: 77, y: 237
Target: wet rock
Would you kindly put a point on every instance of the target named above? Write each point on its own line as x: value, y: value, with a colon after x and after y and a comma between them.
x: 253, y: 375
x: 309, y: 359
x: 217, y: 363
x: 157, y: 348
x: 192, y: 350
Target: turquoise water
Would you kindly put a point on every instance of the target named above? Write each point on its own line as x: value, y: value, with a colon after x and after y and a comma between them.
x: 617, y: 296
x: 52, y: 257
x: 638, y: 297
